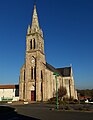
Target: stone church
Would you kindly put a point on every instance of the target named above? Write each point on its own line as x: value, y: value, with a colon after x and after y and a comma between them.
x: 37, y: 81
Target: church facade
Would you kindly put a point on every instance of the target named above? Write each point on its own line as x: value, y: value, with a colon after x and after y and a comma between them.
x: 37, y: 81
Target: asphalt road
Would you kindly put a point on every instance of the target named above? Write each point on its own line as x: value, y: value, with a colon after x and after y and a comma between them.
x: 43, y: 112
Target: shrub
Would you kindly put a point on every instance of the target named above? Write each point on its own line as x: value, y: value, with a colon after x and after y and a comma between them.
x: 62, y: 102
x: 3, y: 102
x: 52, y: 100
x: 21, y: 100
x: 75, y: 100
x: 67, y: 108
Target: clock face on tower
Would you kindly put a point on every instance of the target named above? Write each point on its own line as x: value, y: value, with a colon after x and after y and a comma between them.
x: 33, y: 61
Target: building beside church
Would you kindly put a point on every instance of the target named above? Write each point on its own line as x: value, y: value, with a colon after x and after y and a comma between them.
x: 9, y: 92
x: 37, y: 82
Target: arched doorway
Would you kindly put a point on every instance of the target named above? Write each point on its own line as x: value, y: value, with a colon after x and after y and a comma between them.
x: 33, y: 93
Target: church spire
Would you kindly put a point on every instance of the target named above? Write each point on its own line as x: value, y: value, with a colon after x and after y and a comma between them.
x: 35, y: 23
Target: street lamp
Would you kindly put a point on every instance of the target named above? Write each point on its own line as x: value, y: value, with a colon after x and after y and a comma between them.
x: 56, y: 74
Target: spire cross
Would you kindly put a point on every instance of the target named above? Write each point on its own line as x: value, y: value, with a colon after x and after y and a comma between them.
x: 35, y: 2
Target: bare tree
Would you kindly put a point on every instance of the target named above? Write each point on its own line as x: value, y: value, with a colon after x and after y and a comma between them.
x: 62, y: 92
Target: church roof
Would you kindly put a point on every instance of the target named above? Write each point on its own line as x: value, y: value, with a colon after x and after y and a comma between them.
x: 50, y: 67
x: 65, y: 72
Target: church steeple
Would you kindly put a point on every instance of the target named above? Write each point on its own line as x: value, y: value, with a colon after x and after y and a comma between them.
x: 35, y: 24
x: 34, y: 38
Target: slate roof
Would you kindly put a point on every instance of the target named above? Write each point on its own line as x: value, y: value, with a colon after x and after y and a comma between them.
x: 65, y: 72
x: 51, y: 68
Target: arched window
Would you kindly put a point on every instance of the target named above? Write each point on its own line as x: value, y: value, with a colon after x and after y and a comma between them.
x: 31, y: 44
x: 34, y: 44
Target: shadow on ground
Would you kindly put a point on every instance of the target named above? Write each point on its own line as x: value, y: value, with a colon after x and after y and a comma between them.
x: 8, y: 113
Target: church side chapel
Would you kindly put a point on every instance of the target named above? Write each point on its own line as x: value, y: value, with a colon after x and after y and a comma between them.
x: 37, y: 82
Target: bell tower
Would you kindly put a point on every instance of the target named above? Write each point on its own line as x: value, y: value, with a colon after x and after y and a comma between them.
x: 35, y: 61
x: 34, y: 38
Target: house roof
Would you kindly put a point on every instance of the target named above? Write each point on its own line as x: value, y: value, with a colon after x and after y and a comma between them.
x: 9, y: 86
x: 65, y: 72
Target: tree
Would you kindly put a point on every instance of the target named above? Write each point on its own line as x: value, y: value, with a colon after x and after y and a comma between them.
x: 62, y: 92
x: 86, y: 92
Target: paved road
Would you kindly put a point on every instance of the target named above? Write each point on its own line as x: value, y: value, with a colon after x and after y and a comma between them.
x: 44, y: 112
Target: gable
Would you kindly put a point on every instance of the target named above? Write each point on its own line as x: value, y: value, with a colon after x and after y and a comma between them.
x: 65, y: 72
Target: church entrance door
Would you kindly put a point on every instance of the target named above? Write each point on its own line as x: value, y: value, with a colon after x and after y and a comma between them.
x: 32, y: 95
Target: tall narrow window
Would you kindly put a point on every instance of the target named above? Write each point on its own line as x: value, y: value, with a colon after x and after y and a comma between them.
x: 24, y: 75
x: 35, y: 73
x: 31, y: 44
x: 31, y: 73
x: 41, y: 85
x: 41, y: 75
x: 34, y: 44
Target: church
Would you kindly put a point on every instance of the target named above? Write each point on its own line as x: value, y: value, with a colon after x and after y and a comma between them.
x: 37, y: 80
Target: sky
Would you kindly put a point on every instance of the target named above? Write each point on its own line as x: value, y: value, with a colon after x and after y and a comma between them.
x: 68, y: 37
